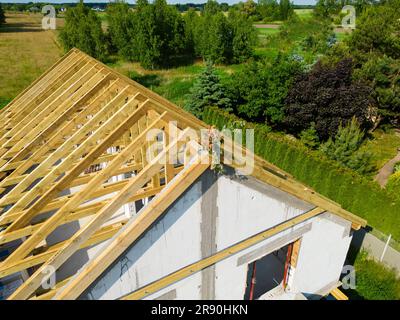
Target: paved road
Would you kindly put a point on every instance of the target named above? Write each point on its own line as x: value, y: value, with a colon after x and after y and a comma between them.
x: 375, y: 247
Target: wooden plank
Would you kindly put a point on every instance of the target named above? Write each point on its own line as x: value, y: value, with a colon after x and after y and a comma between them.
x: 44, y: 91
x: 27, y: 93
x: 102, y: 190
x: 295, y: 253
x: 17, y: 148
x: 25, y: 248
x: 78, y: 181
x: 54, y: 221
x: 41, y: 92
x: 48, y: 105
x: 50, y: 293
x: 30, y: 285
x: 65, y: 150
x: 42, y: 130
x: 134, y: 229
x: 40, y: 154
x: 338, y: 294
x: 161, y: 104
x: 219, y: 256
x: 34, y: 260
x: 81, y: 212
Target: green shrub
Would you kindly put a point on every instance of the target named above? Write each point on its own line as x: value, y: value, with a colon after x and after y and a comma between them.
x: 352, y: 191
x: 310, y: 137
x: 374, y: 281
x: 345, y: 148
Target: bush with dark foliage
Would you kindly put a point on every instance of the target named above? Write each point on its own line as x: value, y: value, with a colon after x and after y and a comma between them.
x: 328, y: 97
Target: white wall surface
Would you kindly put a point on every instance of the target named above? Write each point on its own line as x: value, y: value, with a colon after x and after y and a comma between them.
x: 171, y: 243
x: 244, y: 208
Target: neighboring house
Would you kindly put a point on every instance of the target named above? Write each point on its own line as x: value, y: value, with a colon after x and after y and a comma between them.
x: 98, y: 9
x: 34, y: 9
x: 80, y: 196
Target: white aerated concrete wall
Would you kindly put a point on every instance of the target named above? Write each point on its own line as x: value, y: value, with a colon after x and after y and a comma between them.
x: 213, y: 214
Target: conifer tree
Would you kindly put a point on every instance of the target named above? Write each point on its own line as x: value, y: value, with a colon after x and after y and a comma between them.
x: 207, y: 91
x: 345, y: 148
x: 310, y: 137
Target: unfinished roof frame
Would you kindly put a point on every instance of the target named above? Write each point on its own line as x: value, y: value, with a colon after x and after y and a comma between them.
x: 79, y: 114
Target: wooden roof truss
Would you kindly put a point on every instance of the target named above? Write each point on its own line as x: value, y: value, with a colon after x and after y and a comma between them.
x: 63, y: 142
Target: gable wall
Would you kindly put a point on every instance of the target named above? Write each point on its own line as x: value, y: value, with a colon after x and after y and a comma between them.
x: 213, y: 214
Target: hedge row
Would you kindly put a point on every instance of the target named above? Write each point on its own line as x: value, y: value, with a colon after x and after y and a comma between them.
x: 352, y: 191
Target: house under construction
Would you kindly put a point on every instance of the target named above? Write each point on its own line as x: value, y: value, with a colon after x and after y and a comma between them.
x: 87, y: 214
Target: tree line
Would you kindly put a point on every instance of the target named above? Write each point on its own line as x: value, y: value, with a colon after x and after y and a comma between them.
x: 157, y: 35
x: 329, y: 105
x: 2, y: 15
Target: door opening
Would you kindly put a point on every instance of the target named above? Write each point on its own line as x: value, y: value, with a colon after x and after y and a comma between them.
x: 268, y: 272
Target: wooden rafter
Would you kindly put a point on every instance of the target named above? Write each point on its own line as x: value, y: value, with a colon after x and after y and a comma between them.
x: 73, y: 148
x: 73, y: 244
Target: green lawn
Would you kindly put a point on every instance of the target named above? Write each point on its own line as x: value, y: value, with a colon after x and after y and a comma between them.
x: 304, y: 13
x: 288, y: 39
x: 342, y: 35
x: 174, y: 83
x: 383, y: 145
x: 26, y: 51
x: 267, y: 31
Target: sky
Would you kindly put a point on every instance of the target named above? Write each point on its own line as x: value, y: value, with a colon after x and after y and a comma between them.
x: 132, y: 1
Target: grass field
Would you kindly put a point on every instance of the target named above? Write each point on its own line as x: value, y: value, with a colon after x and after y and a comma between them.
x: 26, y: 51
x: 175, y: 83
x: 267, y: 31
x: 304, y: 13
x: 287, y: 39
